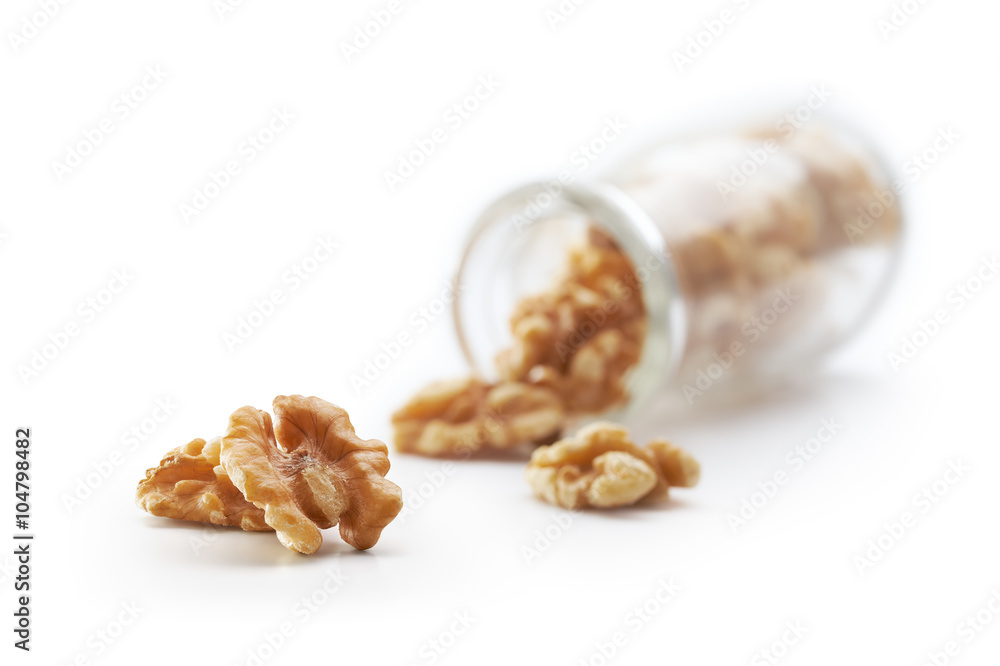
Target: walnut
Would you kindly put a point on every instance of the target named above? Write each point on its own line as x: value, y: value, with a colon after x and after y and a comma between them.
x: 845, y: 182
x: 678, y: 467
x: 601, y: 467
x: 595, y: 378
x: 311, y: 472
x: 599, y: 293
x: 457, y: 417
x: 190, y: 484
x: 708, y: 261
x: 534, y: 335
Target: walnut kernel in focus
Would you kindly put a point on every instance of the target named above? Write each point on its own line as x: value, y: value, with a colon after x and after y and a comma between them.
x: 190, y: 484
x: 311, y: 472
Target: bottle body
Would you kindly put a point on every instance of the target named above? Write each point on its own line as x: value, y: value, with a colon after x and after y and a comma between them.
x: 756, y: 251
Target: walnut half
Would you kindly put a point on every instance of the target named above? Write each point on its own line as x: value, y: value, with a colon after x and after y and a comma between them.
x: 601, y: 467
x: 458, y: 417
x: 308, y: 473
x: 191, y: 484
x: 311, y: 472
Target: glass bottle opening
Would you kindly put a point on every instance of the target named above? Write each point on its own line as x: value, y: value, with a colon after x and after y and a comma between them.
x: 519, y: 246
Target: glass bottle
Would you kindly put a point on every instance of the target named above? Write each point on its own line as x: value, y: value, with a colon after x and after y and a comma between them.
x: 757, y: 249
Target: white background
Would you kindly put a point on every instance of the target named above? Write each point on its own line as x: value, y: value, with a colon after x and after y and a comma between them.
x: 209, y: 597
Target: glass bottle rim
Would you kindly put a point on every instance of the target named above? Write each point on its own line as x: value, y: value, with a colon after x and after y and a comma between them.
x: 635, y: 233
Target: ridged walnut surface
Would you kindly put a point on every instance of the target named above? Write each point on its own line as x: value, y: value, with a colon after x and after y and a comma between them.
x: 191, y: 484
x: 307, y: 473
x: 321, y: 475
x: 601, y: 467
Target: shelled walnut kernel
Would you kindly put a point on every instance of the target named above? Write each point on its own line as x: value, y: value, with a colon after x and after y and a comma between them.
x: 585, y: 332
x: 601, y: 467
x: 455, y: 417
x: 309, y: 472
x: 191, y: 484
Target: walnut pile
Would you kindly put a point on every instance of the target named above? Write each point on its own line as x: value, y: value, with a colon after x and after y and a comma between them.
x: 307, y: 473
x: 601, y: 467
x: 573, y: 347
x: 584, y: 333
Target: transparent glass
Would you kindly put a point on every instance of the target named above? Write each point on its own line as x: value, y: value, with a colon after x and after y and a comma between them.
x: 757, y: 250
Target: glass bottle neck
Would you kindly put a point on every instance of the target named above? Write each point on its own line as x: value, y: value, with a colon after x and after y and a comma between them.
x: 521, y: 240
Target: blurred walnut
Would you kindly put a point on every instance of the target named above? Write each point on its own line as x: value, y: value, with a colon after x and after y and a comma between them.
x: 595, y: 378
x: 457, y: 417
x: 709, y: 261
x: 587, y: 329
x: 190, y: 484
x: 601, y: 467
x: 844, y: 180
x: 678, y: 467
x: 311, y: 472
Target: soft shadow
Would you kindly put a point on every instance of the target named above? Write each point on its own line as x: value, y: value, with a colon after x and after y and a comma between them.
x: 517, y: 454
x: 805, y: 390
x: 636, y: 511
x: 184, y: 525
x: 231, y: 546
